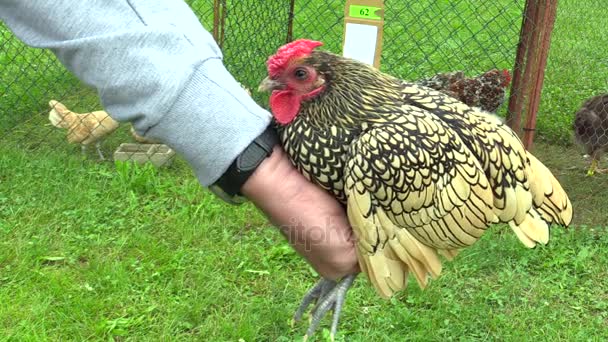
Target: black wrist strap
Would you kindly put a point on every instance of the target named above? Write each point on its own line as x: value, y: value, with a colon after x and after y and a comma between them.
x: 245, y: 164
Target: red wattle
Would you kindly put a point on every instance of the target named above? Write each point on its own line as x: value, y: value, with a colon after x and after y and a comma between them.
x: 284, y: 105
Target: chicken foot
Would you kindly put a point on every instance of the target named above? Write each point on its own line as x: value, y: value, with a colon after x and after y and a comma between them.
x: 83, y: 149
x: 594, y: 167
x: 328, y: 295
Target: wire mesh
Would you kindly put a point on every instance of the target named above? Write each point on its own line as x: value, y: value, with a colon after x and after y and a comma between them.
x: 252, y: 32
x: 429, y: 41
x: 577, y: 70
x: 448, y: 45
x: 32, y: 78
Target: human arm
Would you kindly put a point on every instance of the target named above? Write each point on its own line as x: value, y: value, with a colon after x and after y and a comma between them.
x: 312, y: 220
x: 153, y: 64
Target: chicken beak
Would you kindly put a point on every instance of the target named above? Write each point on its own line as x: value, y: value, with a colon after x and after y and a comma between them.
x: 269, y: 85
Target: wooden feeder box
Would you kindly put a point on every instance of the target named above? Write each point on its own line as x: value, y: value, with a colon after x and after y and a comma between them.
x: 157, y: 154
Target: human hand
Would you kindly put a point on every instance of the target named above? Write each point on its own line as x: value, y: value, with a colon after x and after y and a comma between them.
x: 312, y: 220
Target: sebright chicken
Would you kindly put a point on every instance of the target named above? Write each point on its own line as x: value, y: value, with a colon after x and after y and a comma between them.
x: 420, y: 173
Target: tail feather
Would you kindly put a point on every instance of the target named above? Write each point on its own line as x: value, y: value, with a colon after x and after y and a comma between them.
x: 550, y: 205
x: 449, y: 254
x: 523, y: 237
x: 532, y: 230
x: 551, y: 200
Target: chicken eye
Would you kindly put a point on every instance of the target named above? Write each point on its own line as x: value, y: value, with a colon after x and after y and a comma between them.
x: 301, y: 74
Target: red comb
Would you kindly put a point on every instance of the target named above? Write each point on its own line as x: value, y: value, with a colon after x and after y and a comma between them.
x: 507, y: 76
x: 298, y: 48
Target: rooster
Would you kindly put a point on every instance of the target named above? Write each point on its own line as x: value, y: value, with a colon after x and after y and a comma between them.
x: 591, y: 130
x: 486, y: 91
x: 419, y: 173
x: 84, y: 129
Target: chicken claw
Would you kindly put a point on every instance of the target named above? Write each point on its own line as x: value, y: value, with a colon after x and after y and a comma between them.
x: 328, y: 295
x: 595, y: 168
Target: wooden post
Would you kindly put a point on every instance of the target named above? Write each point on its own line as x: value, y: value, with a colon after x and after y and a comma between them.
x: 549, y: 12
x: 216, y: 20
x: 219, y: 21
x: 290, y: 21
x: 521, y: 78
x: 530, y: 64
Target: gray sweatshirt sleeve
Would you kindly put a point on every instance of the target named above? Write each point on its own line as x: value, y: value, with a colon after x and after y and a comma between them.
x: 153, y: 64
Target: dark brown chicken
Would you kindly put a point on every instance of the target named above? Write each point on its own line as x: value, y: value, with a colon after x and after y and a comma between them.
x: 420, y: 173
x: 486, y: 91
x: 591, y: 130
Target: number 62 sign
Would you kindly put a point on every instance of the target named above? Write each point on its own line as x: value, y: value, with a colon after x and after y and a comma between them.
x: 363, y: 25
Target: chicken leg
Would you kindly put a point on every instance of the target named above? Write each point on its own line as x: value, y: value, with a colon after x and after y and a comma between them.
x: 98, y: 148
x: 595, y: 166
x: 328, y: 295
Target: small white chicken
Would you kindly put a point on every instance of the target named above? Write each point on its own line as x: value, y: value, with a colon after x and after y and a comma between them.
x: 84, y: 129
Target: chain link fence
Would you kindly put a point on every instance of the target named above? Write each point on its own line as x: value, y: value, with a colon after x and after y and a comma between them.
x: 44, y: 106
x: 576, y: 73
x: 448, y: 45
x: 421, y: 39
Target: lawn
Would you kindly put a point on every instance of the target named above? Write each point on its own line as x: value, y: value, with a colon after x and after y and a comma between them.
x: 102, y: 251
x: 92, y: 251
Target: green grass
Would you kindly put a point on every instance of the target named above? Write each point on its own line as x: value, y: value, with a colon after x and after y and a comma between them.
x: 93, y: 251
x: 97, y: 251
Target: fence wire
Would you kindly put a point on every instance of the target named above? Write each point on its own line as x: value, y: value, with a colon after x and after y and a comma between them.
x: 591, y: 130
x: 460, y: 47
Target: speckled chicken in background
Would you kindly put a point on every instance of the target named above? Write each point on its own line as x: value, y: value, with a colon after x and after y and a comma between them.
x: 442, y: 81
x: 591, y: 130
x: 420, y: 173
x: 486, y: 91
